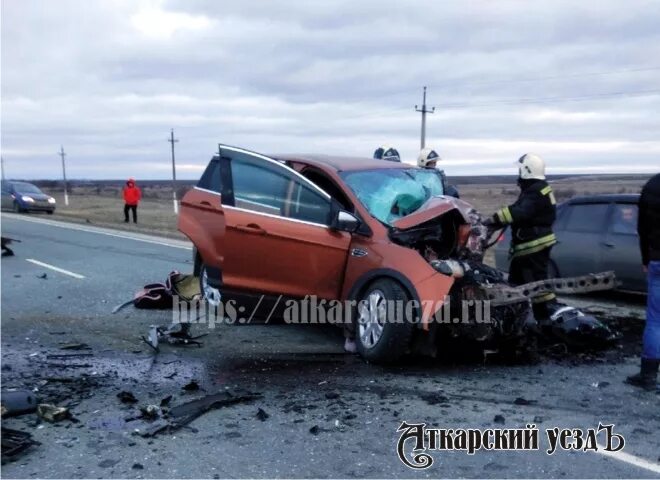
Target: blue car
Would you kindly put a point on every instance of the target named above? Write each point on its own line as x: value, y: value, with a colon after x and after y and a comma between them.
x: 595, y: 233
x: 25, y: 197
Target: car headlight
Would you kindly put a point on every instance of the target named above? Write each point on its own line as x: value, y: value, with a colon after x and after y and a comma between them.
x: 25, y: 198
x: 51, y: 200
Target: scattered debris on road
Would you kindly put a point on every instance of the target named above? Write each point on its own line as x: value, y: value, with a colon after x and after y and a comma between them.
x: 6, y: 251
x: 127, y: 397
x: 262, y: 415
x: 52, y: 413
x: 15, y: 442
x: 181, y: 415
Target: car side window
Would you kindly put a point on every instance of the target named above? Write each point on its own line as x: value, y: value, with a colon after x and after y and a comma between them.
x: 586, y: 218
x: 307, y: 204
x: 210, y: 179
x: 624, y: 219
x: 259, y: 186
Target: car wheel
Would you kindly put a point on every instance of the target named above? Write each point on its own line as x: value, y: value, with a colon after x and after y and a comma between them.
x: 211, y: 294
x: 49, y: 212
x: 383, y: 334
x: 17, y: 208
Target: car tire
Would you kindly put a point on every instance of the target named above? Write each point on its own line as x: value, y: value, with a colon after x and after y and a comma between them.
x: 49, y: 212
x: 383, y: 335
x: 18, y: 209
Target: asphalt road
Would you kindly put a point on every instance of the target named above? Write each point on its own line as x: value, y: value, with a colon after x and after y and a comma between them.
x: 329, y: 413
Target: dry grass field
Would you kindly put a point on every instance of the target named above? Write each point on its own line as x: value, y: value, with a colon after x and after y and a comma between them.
x: 102, y: 204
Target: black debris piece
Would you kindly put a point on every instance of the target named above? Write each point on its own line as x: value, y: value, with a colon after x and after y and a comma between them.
x: 75, y: 346
x: 127, y: 397
x: 166, y: 401
x: 64, y: 356
x: 332, y: 395
x: 137, y: 466
x: 150, y: 412
x: 499, y: 419
x: 6, y: 251
x: 433, y: 398
x: 192, y: 386
x: 315, y: 430
x: 15, y: 442
x: 43, y: 276
x: 262, y: 415
x: 523, y: 401
x: 181, y: 415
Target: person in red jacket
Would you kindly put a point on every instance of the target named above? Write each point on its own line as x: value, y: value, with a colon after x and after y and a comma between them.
x: 132, y: 197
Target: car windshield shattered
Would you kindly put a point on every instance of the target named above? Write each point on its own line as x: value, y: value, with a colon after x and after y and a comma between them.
x: 390, y: 194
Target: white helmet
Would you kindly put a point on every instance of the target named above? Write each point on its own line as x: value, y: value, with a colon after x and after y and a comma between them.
x: 388, y: 153
x: 531, y: 166
x: 426, y: 156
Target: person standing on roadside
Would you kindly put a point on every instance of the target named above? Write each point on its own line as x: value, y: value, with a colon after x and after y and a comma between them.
x: 648, y: 228
x: 132, y: 196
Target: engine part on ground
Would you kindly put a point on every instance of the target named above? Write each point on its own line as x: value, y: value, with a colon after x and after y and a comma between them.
x: 18, y: 402
x: 576, y: 329
x: 500, y: 294
x: 15, y: 442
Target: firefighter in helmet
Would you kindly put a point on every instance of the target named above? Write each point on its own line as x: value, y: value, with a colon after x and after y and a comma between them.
x: 531, y: 217
x: 388, y: 153
x: 429, y: 158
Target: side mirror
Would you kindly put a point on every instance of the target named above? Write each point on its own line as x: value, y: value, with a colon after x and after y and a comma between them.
x: 452, y: 191
x: 345, y: 222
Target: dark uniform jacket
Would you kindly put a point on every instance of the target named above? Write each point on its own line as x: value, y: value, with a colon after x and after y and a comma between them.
x: 531, y: 218
x: 648, y: 222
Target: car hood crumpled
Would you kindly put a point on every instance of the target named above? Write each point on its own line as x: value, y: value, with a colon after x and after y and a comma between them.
x: 434, y: 207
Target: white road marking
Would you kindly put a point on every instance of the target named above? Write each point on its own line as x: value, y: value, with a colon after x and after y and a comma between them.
x: 103, y: 231
x: 631, y: 459
x: 57, y: 269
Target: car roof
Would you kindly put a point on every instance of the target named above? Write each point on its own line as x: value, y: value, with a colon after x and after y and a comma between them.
x: 341, y: 164
x: 605, y: 198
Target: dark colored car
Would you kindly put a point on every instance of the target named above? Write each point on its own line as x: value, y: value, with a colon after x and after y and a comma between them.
x: 336, y: 228
x: 595, y: 233
x: 25, y: 197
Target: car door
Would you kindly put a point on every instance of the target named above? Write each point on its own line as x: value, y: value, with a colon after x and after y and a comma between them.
x: 278, y: 239
x: 202, y: 217
x: 621, y: 247
x: 579, y: 247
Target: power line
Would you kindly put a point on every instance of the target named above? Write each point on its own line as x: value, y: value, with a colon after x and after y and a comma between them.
x: 544, y: 78
x: 528, y: 101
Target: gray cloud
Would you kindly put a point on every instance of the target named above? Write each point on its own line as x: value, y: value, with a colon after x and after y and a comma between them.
x: 108, y: 79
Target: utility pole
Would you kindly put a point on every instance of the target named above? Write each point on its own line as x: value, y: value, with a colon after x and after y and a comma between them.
x: 173, y: 140
x: 424, y: 111
x: 2, y: 166
x: 66, y: 193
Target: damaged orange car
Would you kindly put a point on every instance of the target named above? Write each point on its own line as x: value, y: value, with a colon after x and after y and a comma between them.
x: 349, y: 229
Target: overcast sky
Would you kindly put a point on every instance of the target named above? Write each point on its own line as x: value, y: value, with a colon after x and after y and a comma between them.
x: 108, y: 79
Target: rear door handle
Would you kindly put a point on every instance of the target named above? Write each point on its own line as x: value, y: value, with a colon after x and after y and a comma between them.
x: 251, y: 228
